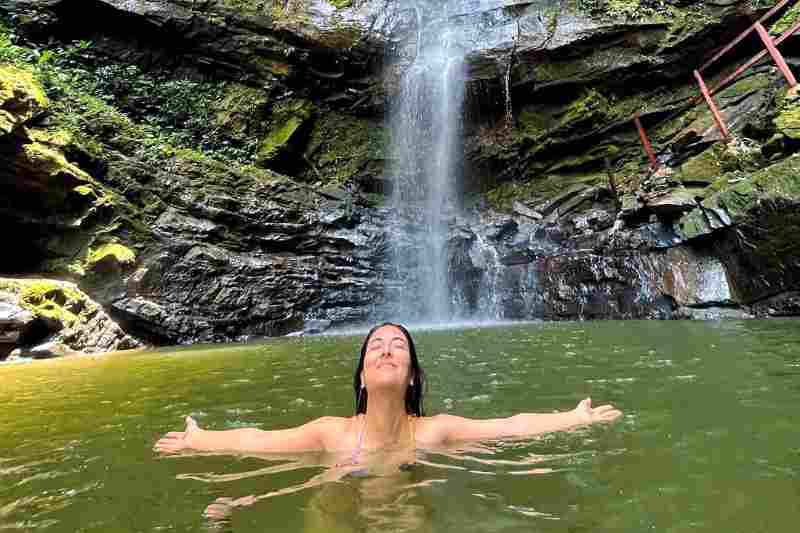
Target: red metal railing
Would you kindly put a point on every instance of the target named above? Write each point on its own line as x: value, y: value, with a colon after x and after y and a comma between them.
x: 770, y: 47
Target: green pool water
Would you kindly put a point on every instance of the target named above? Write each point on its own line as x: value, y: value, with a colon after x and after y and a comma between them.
x: 710, y: 440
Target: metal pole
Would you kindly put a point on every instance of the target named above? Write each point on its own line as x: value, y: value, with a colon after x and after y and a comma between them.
x: 753, y: 60
x: 714, y: 111
x: 648, y: 148
x: 744, y: 34
x: 776, y: 55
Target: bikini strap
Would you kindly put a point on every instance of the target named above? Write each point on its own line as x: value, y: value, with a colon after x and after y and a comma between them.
x: 359, y: 441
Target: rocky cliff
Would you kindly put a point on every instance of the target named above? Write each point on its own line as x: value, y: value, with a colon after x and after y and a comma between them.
x: 213, y: 170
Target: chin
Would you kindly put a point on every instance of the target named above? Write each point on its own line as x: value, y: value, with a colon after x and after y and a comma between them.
x: 386, y: 382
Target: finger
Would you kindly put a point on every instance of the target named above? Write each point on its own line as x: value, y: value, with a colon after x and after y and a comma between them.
x: 610, y: 416
x: 603, y: 409
x: 164, y: 449
x: 167, y: 440
x: 586, y: 404
x: 190, y: 423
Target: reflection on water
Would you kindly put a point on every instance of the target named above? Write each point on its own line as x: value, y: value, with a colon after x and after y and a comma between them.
x: 382, y: 493
x: 709, y: 440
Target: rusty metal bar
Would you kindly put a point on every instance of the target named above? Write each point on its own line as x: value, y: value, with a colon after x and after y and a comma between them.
x: 744, y: 34
x: 712, y: 106
x: 648, y: 148
x: 755, y: 59
x: 776, y: 55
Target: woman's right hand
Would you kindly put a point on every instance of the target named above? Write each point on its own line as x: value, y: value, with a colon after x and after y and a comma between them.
x: 177, y: 441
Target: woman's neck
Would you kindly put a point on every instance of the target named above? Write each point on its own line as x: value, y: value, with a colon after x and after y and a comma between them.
x: 386, y: 421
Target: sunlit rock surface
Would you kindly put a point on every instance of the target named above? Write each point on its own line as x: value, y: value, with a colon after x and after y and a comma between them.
x: 42, y: 318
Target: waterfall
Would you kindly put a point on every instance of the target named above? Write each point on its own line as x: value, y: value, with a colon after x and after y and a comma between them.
x: 426, y: 124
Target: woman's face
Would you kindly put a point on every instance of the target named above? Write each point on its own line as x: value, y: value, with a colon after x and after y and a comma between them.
x: 387, y: 361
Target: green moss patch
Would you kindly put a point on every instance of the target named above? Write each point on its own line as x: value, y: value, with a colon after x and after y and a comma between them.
x: 540, y: 190
x: 58, y: 302
x: 21, y: 97
x: 343, y: 147
x: 287, y: 120
x: 787, y: 121
x: 786, y: 21
x: 110, y: 257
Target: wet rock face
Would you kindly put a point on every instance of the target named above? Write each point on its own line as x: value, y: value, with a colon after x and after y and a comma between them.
x: 568, y: 269
x: 42, y: 318
x: 237, y: 255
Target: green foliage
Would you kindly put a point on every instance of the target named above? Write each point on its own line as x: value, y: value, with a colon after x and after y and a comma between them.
x: 120, y: 105
x: 183, y: 110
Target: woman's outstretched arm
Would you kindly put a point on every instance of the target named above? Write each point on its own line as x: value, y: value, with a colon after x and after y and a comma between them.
x: 456, y: 428
x: 308, y: 437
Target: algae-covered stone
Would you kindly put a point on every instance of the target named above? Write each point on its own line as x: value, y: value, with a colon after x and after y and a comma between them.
x: 21, y: 98
x: 67, y: 316
x: 239, y: 112
x: 342, y: 148
x: 287, y: 121
x: 110, y: 257
x: 703, y: 168
x: 788, y: 119
x: 738, y: 201
x: 786, y: 21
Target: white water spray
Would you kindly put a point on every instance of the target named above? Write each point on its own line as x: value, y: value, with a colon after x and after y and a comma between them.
x: 427, y: 133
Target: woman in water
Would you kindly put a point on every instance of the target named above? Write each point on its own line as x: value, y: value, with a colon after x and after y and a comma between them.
x: 388, y: 385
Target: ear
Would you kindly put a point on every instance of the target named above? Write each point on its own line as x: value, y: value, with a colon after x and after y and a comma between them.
x: 411, y: 379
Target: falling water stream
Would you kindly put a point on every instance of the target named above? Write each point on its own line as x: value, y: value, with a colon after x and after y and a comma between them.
x: 426, y: 125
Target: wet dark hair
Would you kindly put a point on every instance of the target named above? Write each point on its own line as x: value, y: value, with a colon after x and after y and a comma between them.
x: 414, y: 393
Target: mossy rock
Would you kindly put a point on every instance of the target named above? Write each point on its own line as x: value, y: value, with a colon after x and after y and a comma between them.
x: 21, y: 98
x: 786, y: 21
x: 787, y: 121
x: 287, y: 120
x: 703, y: 168
x: 110, y: 258
x: 239, y: 112
x: 59, y: 303
x: 738, y: 199
x: 342, y: 148
x: 540, y: 190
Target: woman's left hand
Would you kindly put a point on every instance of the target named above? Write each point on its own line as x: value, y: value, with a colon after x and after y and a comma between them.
x: 593, y: 415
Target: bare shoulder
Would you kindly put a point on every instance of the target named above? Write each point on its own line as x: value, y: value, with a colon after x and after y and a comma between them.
x: 335, y: 431
x: 331, y: 420
x: 334, y: 424
x: 434, y: 430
